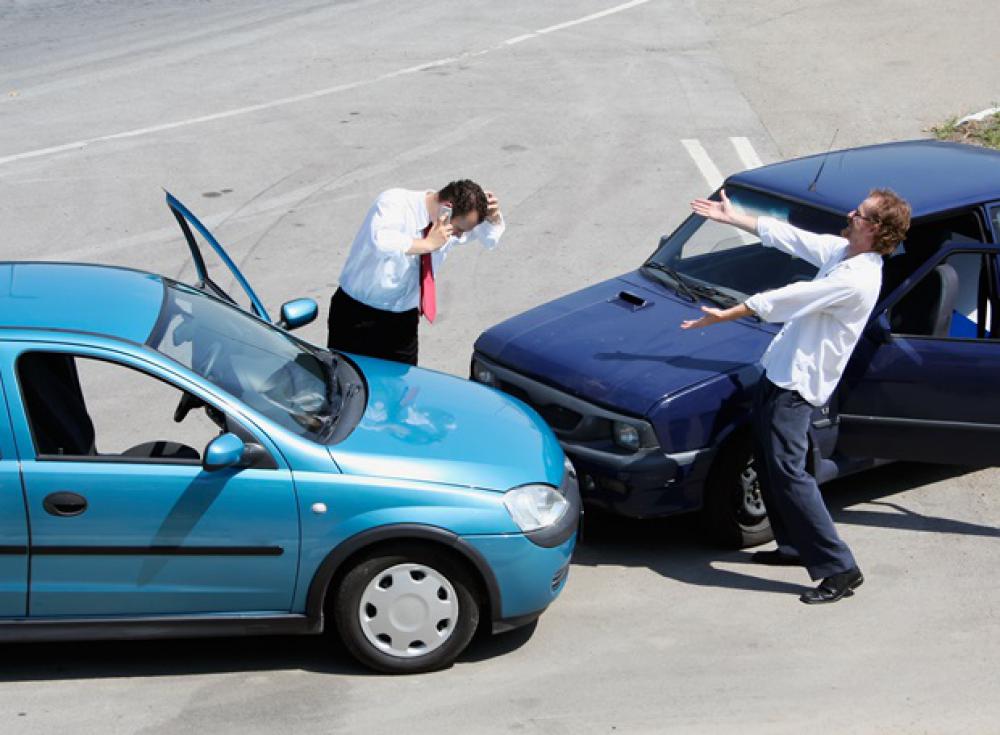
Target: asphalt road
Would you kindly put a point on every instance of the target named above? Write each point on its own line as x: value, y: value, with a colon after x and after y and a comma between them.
x: 595, y: 122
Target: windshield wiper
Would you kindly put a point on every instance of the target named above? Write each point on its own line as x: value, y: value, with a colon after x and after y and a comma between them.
x: 694, y: 290
x: 683, y: 288
x: 716, y: 296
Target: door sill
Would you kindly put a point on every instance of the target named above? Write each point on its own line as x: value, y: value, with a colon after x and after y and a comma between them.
x: 154, y: 626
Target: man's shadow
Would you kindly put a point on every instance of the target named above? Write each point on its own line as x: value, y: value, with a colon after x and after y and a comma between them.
x: 678, y: 547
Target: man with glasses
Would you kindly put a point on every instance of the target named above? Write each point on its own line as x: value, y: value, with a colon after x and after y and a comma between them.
x: 823, y: 320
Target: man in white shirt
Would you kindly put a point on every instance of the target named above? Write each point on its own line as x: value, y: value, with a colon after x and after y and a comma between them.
x: 389, y: 277
x: 823, y: 320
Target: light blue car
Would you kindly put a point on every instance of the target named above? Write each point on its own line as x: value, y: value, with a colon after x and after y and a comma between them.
x: 172, y: 464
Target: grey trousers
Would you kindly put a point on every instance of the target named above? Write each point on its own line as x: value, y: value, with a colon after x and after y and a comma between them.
x: 799, y: 517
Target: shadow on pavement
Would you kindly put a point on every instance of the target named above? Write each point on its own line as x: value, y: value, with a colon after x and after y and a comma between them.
x: 126, y: 659
x: 486, y: 646
x: 122, y: 659
x: 677, y: 547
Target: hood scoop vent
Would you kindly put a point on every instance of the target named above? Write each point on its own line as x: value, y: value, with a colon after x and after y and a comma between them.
x: 630, y: 301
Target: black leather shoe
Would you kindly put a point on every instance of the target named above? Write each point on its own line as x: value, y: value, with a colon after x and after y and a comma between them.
x: 776, y: 558
x: 835, y: 587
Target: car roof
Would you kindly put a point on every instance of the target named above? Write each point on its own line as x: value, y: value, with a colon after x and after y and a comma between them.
x: 118, y: 302
x: 933, y: 176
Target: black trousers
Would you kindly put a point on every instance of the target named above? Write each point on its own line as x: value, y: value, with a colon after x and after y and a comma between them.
x: 364, y: 330
x: 799, y: 517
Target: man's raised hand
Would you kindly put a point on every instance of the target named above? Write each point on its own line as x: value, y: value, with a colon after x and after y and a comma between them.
x: 493, y: 208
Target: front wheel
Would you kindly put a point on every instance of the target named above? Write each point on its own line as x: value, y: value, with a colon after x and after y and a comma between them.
x: 406, y: 610
x: 734, y: 512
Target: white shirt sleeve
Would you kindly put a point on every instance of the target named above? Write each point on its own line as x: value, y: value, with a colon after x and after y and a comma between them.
x: 816, y: 249
x: 803, y: 297
x: 489, y: 233
x: 388, y: 228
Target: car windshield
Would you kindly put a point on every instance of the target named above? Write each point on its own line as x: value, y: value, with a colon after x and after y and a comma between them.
x: 270, y: 371
x: 712, y: 258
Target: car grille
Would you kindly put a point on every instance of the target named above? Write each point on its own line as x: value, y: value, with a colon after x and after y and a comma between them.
x: 559, y: 577
x: 558, y: 417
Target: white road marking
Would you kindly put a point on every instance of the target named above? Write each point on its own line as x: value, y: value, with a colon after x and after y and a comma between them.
x: 76, y: 145
x: 746, y: 152
x: 709, y: 170
x: 592, y: 16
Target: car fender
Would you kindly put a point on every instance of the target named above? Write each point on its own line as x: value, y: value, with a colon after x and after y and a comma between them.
x: 334, y: 560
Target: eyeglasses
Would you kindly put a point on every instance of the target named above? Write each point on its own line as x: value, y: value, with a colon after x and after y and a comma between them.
x: 857, y: 213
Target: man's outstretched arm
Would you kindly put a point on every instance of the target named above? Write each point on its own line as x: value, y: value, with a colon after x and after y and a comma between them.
x: 714, y: 316
x: 724, y: 212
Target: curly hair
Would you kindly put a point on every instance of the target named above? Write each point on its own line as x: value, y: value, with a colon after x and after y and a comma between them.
x: 891, y: 218
x: 465, y: 196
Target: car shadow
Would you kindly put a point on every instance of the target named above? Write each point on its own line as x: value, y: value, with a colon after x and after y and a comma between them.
x: 323, y: 654
x: 677, y: 548
x: 116, y: 659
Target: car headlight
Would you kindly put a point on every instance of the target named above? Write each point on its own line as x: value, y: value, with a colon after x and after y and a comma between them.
x: 482, y: 374
x: 626, y: 436
x: 535, y: 506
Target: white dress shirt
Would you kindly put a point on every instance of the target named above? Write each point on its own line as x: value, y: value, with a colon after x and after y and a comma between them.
x: 823, y: 317
x: 378, y: 272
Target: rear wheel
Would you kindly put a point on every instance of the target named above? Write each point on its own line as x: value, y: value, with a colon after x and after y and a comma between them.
x: 734, y: 511
x: 406, y: 610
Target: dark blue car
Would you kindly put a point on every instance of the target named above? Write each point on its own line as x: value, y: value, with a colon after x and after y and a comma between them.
x: 656, y: 419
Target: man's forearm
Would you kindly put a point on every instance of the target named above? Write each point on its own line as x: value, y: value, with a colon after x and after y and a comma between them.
x: 735, y: 312
x: 746, y: 222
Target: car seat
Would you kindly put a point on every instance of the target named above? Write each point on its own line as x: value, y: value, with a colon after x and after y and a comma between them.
x: 927, y: 308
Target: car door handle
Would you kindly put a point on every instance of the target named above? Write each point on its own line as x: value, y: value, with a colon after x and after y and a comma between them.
x: 64, y: 504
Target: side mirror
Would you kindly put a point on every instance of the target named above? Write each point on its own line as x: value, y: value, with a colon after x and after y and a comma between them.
x: 297, y: 313
x: 222, y: 452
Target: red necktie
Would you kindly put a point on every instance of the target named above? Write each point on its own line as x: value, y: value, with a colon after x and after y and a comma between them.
x: 428, y: 292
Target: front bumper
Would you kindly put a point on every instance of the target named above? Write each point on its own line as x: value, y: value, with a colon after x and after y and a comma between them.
x: 531, y: 568
x: 529, y: 576
x: 644, y: 483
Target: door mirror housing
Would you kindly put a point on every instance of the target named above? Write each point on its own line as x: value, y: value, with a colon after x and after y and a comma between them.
x: 222, y: 452
x: 297, y: 313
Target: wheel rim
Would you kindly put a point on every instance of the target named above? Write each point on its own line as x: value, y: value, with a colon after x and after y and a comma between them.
x: 750, y: 509
x: 408, y: 610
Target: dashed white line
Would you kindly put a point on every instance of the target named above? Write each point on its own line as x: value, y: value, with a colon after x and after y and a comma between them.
x: 40, y: 152
x: 708, y: 169
x: 746, y: 152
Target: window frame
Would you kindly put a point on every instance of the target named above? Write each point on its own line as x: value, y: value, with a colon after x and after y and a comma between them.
x: 264, y: 460
x: 947, y: 250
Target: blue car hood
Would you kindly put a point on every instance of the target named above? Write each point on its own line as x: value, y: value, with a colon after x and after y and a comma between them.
x: 602, y: 348
x: 424, y: 425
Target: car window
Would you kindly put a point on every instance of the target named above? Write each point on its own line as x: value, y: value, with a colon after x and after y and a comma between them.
x: 729, y: 258
x: 951, y: 301
x: 264, y: 367
x: 83, y: 407
x: 995, y: 217
x: 922, y: 243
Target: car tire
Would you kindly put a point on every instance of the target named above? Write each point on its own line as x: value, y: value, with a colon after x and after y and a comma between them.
x: 733, y: 512
x: 406, y: 610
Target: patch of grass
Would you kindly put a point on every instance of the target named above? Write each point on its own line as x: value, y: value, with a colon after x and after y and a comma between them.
x: 985, y: 132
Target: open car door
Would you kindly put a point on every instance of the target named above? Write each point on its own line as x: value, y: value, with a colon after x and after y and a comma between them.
x: 921, y: 384
x: 187, y: 221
